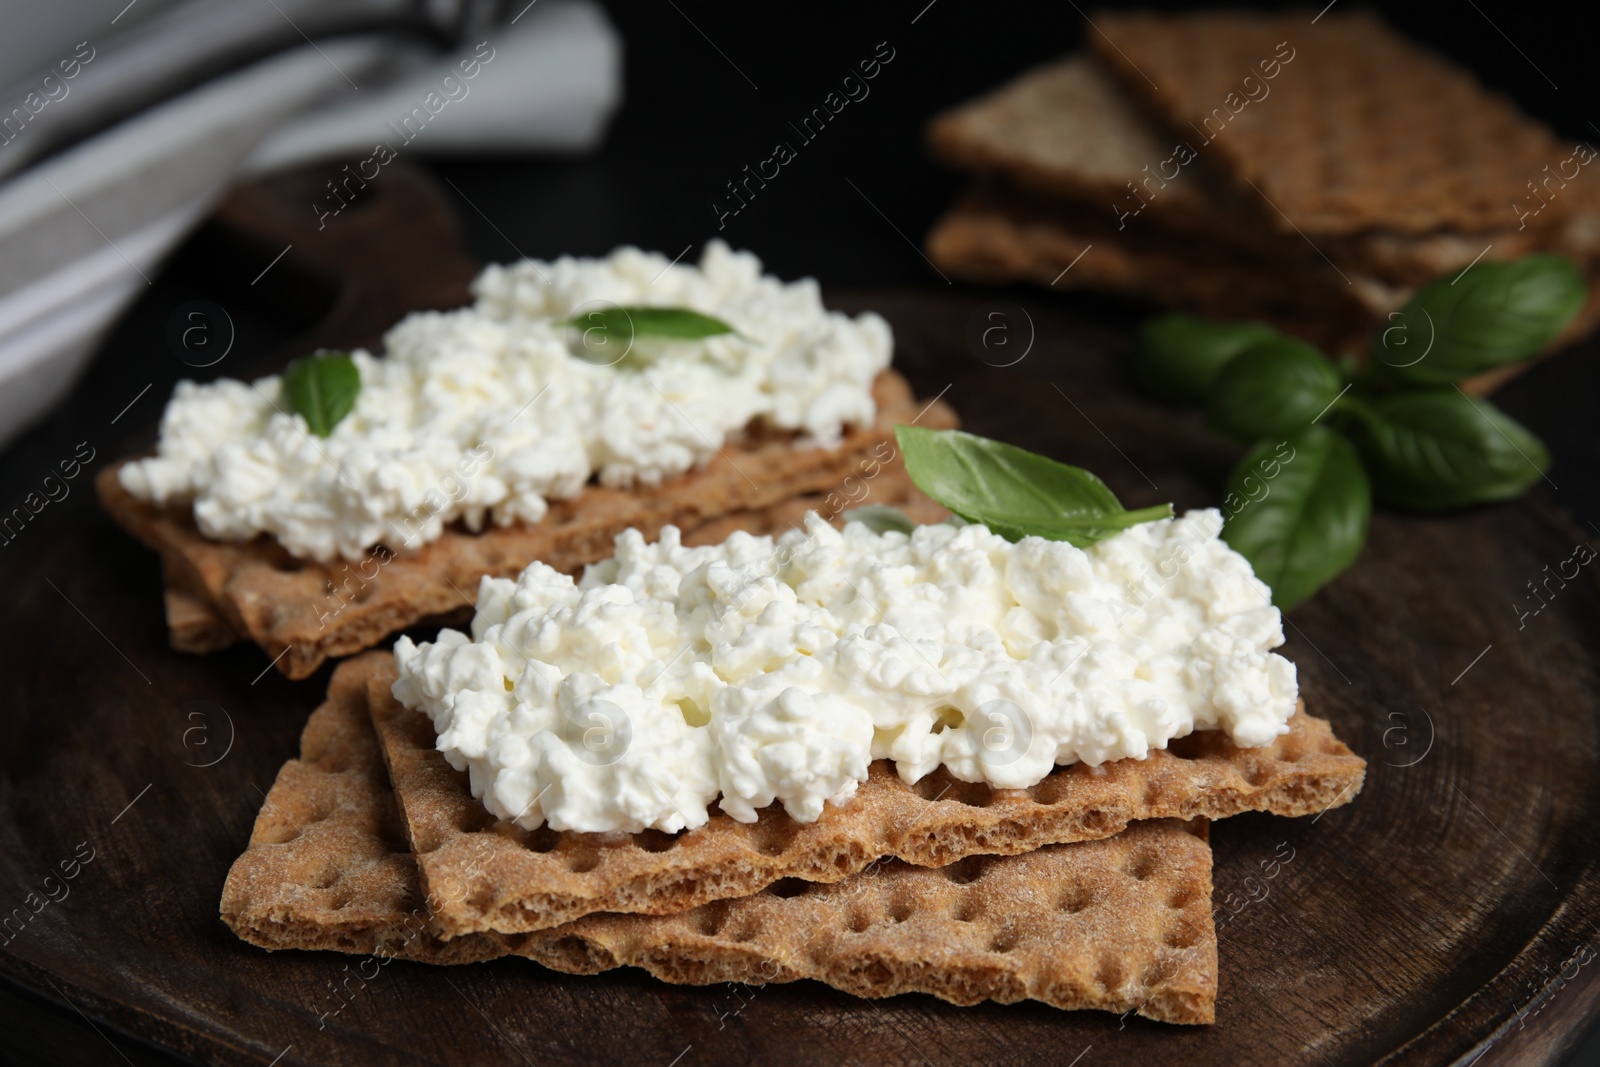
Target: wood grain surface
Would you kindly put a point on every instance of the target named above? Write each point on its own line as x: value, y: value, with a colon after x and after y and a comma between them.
x: 1448, y: 915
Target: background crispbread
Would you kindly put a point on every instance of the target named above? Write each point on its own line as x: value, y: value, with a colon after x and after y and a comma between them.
x: 1069, y: 131
x: 1361, y: 129
x: 989, y: 237
x: 1067, y: 128
x: 481, y: 873
x: 287, y: 606
x: 1121, y: 924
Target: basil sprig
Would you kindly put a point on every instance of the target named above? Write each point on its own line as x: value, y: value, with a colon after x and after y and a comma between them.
x: 1014, y: 492
x: 1399, y: 430
x: 620, y: 325
x: 322, y: 389
x: 1179, y: 356
x: 1437, y: 448
x: 1484, y: 317
x: 1274, y: 386
x: 1306, y: 525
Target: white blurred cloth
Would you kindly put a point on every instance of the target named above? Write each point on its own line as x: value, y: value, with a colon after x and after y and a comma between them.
x: 83, y: 232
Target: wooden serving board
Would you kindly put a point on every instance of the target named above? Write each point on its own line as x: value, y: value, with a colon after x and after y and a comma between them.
x: 1447, y: 914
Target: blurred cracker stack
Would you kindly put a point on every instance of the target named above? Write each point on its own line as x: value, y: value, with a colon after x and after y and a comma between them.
x: 1308, y: 173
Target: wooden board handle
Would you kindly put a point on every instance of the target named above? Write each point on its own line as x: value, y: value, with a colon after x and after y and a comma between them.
x: 393, y: 244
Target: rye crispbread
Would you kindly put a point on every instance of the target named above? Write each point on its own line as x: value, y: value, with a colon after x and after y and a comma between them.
x: 1360, y: 129
x: 194, y: 625
x: 301, y: 612
x: 1120, y: 924
x: 486, y: 874
x: 1069, y: 131
x: 991, y: 235
x: 994, y: 236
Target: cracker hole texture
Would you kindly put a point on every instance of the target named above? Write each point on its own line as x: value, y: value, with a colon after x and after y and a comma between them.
x: 652, y: 840
x: 543, y: 839
x: 474, y: 817
x: 708, y: 919
x: 1076, y: 899
x: 774, y: 833
x: 1109, y: 975
x: 1181, y: 934
x: 1143, y: 863
x: 966, y: 871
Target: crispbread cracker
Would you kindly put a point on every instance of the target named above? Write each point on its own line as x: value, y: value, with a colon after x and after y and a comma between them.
x: 1359, y: 129
x: 1069, y: 131
x: 327, y: 865
x: 195, y: 624
x: 301, y: 612
x: 1068, y: 128
x: 486, y: 874
x: 989, y: 236
x: 1120, y: 924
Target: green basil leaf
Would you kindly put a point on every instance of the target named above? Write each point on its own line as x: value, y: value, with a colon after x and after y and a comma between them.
x: 322, y: 389
x: 881, y: 519
x: 1307, y: 523
x: 1271, y: 389
x: 1013, y: 491
x: 1179, y: 356
x: 1437, y: 448
x: 622, y: 324
x: 1486, y: 316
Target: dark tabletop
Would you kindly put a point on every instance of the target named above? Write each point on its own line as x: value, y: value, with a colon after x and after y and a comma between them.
x: 710, y: 86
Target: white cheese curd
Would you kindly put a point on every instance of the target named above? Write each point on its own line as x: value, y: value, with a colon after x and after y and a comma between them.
x: 486, y: 412
x: 763, y: 671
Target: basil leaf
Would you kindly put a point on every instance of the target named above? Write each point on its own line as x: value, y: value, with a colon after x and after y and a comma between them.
x: 1437, y: 448
x: 1489, y: 315
x: 1015, y: 492
x: 1179, y: 356
x: 880, y: 519
x: 322, y: 389
x: 1271, y: 389
x: 1306, y: 524
x: 623, y: 324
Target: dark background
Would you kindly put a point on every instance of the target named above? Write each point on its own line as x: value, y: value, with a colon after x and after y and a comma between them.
x: 709, y: 88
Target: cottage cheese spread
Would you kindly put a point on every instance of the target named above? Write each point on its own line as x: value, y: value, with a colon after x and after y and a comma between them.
x: 486, y: 412
x: 763, y: 671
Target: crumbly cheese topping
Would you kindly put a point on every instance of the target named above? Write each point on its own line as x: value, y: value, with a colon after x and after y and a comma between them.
x: 485, y: 413
x: 767, y: 671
